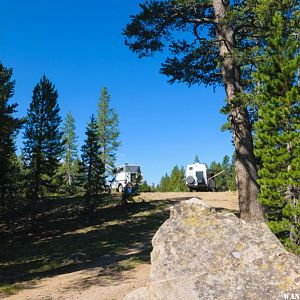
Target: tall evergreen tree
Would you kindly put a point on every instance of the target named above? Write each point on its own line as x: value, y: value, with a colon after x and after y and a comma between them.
x: 43, y: 145
x: 208, y: 43
x: 70, y: 152
x: 108, y: 127
x: 9, y: 126
x: 278, y: 128
x: 92, y: 166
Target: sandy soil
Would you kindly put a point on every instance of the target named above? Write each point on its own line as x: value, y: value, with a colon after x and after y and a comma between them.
x: 86, y: 285
x: 100, y: 283
x: 227, y: 200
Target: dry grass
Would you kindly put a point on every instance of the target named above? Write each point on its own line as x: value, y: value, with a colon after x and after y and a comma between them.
x: 228, y: 200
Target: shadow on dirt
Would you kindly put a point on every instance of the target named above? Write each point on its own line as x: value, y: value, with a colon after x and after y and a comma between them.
x: 118, y: 238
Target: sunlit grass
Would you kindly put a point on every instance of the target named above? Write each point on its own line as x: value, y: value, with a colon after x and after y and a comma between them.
x: 9, y: 289
x: 128, y: 264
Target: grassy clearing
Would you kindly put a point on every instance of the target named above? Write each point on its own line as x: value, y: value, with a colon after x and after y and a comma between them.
x: 67, y: 240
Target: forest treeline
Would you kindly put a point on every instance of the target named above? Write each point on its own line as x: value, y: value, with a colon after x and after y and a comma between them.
x: 250, y: 47
x: 176, y: 181
x: 49, y: 164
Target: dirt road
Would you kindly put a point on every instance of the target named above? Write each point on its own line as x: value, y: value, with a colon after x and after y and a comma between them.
x: 98, y: 282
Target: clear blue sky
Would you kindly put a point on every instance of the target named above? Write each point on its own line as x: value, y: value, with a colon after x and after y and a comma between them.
x: 78, y: 45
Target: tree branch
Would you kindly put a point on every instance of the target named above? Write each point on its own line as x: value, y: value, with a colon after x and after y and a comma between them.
x: 201, y: 39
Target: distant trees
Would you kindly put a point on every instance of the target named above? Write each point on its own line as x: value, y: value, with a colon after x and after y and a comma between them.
x: 196, y: 159
x: 43, y: 145
x: 70, y: 153
x: 108, y: 128
x: 173, y: 183
x: 9, y: 126
x: 164, y: 184
x: 145, y: 187
x: 49, y: 164
x: 92, y: 166
x: 277, y: 131
x: 225, y: 181
x: 177, y: 180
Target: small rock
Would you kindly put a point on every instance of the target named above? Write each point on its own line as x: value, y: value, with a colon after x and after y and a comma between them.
x: 236, y: 254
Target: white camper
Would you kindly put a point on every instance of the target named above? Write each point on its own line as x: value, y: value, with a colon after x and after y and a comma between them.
x: 198, y: 178
x: 125, y: 174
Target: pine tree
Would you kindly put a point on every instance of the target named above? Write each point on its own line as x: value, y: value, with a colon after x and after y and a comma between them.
x: 164, y: 185
x: 196, y: 159
x: 220, y: 180
x: 225, y: 181
x: 145, y: 187
x: 92, y: 168
x: 175, y: 182
x: 43, y: 144
x: 232, y: 177
x: 108, y: 123
x: 229, y: 174
x: 9, y: 126
x: 278, y: 130
x: 215, y: 40
x: 70, y: 152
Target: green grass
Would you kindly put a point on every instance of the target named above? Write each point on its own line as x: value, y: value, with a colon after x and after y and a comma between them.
x: 67, y: 240
x: 127, y: 264
x: 9, y: 289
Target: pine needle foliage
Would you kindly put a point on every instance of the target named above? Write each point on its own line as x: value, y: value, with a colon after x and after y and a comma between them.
x: 43, y: 145
x: 9, y: 126
x: 108, y: 127
x: 70, y: 153
x: 92, y: 167
x: 277, y: 131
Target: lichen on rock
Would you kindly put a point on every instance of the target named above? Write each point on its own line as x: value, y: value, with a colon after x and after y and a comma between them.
x: 201, y: 254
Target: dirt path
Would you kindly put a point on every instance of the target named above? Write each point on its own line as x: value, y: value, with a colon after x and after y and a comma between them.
x: 101, y: 282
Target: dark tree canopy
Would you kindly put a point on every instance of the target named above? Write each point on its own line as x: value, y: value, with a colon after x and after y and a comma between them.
x: 277, y: 132
x: 92, y: 167
x: 9, y: 126
x: 186, y: 31
x: 43, y: 143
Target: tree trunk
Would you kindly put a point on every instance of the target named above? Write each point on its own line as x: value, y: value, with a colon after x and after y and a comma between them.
x: 246, y: 168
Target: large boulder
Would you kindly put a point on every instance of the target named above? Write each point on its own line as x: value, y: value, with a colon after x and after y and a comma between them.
x: 200, y: 254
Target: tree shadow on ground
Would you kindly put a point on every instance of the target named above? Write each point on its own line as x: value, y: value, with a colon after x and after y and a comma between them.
x: 68, y: 240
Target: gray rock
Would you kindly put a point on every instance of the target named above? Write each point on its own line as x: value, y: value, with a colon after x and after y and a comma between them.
x: 200, y: 254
